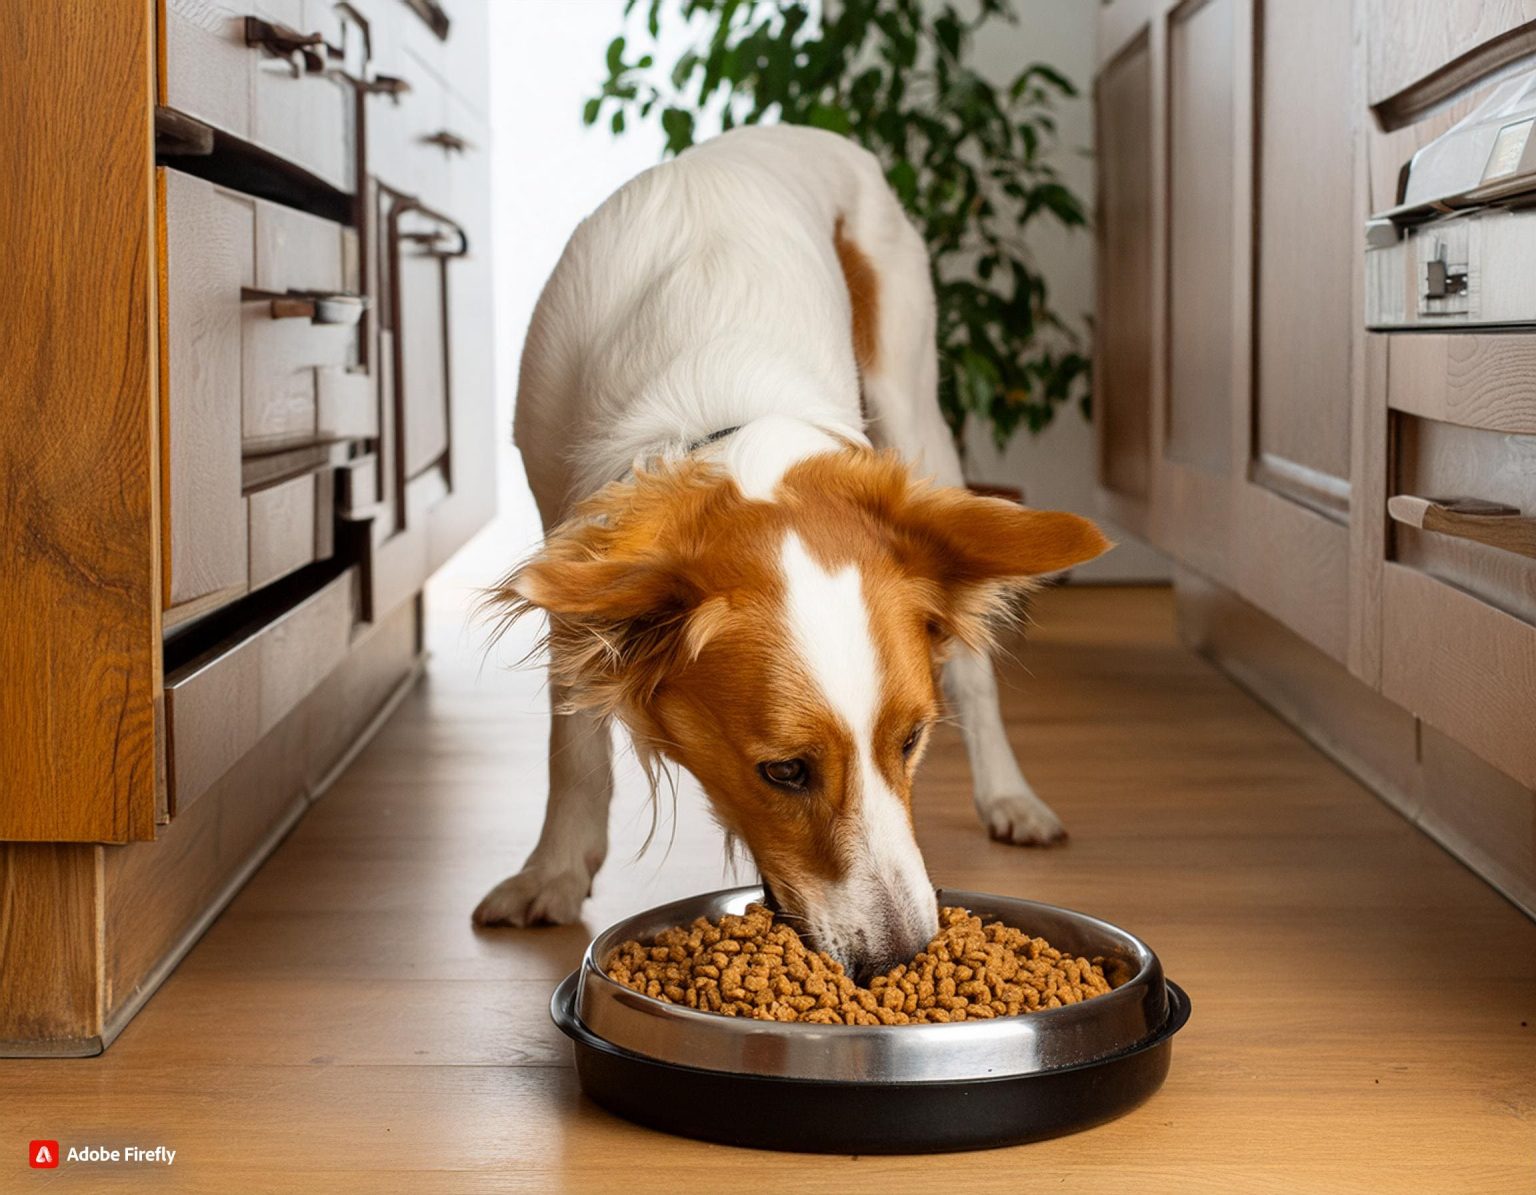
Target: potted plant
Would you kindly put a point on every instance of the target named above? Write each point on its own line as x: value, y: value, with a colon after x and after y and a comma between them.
x: 971, y: 162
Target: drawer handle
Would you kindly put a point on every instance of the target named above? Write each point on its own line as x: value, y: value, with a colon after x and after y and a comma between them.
x: 1489, y: 523
x: 282, y: 42
x: 318, y: 306
x: 390, y: 85
x: 431, y: 241
x: 451, y: 142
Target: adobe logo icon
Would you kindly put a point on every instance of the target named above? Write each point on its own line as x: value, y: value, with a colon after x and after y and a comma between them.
x: 43, y: 1155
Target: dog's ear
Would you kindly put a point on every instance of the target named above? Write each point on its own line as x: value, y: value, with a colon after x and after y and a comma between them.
x: 969, y: 555
x: 622, y: 602
x: 982, y: 553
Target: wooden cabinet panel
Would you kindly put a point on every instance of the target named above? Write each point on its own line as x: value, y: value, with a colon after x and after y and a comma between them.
x: 290, y: 526
x: 405, y: 131
x: 79, y: 507
x: 50, y: 955
x: 346, y: 404
x: 1441, y: 460
x: 404, y: 154
x: 1305, y: 318
x: 205, y: 65
x: 1486, y: 381
x: 207, y: 237
x: 1463, y: 666
x: 304, y: 114
x: 297, y: 251
x: 1440, y: 45
x: 422, y: 341
x: 1123, y: 344
x: 473, y: 438
x: 220, y: 706
x: 281, y: 363
x: 294, y: 251
x: 1294, y: 420
x: 1280, y: 424
x: 238, y: 382
x: 1201, y: 141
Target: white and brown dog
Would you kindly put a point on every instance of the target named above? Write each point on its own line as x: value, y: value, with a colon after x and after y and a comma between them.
x: 727, y: 411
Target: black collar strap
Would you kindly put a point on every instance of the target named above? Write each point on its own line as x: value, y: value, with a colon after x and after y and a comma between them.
x: 712, y: 438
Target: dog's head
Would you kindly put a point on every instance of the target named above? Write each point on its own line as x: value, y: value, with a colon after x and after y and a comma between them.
x: 786, y: 653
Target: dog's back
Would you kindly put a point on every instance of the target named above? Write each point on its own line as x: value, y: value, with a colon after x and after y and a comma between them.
x: 705, y: 293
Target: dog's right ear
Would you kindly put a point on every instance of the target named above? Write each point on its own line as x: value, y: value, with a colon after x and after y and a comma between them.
x: 602, y: 592
x: 619, y: 590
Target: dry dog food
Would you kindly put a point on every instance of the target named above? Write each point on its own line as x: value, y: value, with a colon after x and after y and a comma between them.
x: 749, y: 966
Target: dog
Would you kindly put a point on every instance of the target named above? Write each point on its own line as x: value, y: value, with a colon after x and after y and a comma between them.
x: 759, y: 554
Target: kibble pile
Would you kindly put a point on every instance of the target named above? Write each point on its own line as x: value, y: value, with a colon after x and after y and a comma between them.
x: 750, y: 966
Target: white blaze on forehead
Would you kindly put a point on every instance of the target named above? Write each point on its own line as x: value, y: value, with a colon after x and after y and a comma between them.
x: 830, y: 623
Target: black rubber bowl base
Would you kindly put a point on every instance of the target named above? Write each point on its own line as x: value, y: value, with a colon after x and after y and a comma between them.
x: 865, y: 1118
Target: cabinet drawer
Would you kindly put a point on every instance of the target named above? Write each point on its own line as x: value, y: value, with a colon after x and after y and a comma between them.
x: 219, y: 706
x: 420, y: 139
x: 1476, y: 554
x: 216, y: 67
x: 284, y: 349
x: 1459, y: 587
x: 237, y: 381
x: 289, y: 526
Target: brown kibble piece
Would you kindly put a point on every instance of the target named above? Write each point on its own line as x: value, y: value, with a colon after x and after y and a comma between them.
x: 968, y: 971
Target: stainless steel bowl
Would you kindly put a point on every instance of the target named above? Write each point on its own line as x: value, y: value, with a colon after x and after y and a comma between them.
x: 1134, y: 1012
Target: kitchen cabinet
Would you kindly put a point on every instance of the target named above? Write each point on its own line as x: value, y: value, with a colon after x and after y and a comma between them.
x: 252, y: 414
x: 1315, y: 361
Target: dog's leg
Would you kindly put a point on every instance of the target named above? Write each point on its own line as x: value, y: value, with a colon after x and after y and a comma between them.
x: 574, y: 841
x: 900, y: 384
x: 1007, y: 806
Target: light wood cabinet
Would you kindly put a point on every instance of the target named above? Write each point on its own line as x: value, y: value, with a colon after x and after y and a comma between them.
x: 1283, y: 420
x: 1124, y: 333
x: 1202, y: 192
x: 254, y: 345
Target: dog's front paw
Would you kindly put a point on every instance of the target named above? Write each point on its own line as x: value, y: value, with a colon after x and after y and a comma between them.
x: 1022, y: 819
x: 536, y: 895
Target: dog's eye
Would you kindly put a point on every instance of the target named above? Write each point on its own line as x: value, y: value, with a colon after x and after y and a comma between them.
x: 786, y: 773
x: 911, y: 744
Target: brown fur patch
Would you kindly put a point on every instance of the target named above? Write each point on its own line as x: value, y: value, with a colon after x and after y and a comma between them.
x: 667, y: 608
x: 863, y: 296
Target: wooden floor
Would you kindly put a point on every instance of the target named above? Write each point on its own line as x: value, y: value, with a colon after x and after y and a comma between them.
x: 1362, y: 1004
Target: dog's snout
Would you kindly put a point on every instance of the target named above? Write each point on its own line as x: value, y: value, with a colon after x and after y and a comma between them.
x: 898, y: 938
x: 876, y: 964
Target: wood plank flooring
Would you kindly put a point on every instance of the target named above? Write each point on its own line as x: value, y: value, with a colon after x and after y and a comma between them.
x: 1363, y: 1005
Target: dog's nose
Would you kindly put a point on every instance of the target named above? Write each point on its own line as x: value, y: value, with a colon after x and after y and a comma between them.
x: 866, y: 968
x: 900, y: 943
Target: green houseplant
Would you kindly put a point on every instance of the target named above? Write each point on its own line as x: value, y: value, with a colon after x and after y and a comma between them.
x: 970, y: 161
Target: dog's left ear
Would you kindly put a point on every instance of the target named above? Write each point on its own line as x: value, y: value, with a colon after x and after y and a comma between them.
x: 981, y: 553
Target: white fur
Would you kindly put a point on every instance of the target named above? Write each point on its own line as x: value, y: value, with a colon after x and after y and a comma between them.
x: 706, y: 294
x: 884, y: 902
x: 759, y: 454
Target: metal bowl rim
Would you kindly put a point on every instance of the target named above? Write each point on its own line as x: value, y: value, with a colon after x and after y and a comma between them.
x: 563, y: 1011
x: 592, y: 972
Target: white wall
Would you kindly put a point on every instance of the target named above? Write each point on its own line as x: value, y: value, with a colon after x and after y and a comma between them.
x: 549, y: 171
